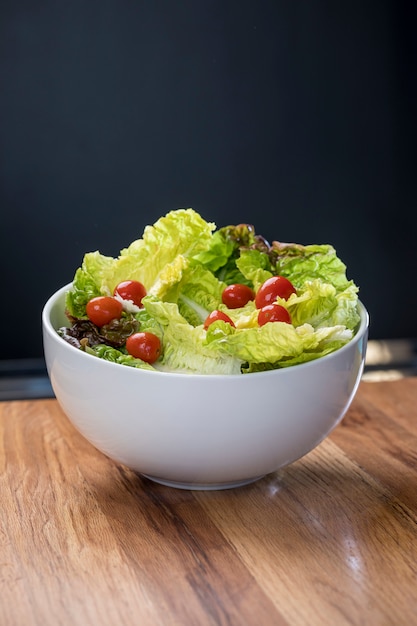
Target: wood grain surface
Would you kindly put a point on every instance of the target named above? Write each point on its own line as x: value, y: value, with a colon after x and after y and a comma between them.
x: 330, y: 540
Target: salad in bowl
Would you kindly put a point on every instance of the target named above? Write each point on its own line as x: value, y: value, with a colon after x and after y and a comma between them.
x: 206, y: 358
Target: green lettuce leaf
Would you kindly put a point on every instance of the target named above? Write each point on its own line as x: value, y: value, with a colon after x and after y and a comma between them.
x: 184, y: 346
x: 255, y: 266
x: 182, y: 233
x: 321, y: 304
x: 299, y: 263
x: 87, y: 282
x: 227, y: 245
x: 276, y: 344
x: 271, y: 342
x: 117, y: 356
x: 197, y: 292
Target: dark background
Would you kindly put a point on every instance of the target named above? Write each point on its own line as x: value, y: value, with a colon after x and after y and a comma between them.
x: 294, y: 116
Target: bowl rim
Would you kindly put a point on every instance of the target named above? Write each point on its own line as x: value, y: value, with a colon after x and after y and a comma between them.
x: 52, y: 332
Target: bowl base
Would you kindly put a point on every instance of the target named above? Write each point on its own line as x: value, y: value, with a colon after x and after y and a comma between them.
x: 202, y: 486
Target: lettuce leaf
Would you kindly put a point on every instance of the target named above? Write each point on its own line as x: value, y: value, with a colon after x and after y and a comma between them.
x: 117, y: 356
x: 226, y: 247
x: 299, y: 263
x: 184, y: 347
x: 181, y: 233
x: 321, y: 304
x: 87, y: 283
x: 276, y: 344
x: 255, y: 265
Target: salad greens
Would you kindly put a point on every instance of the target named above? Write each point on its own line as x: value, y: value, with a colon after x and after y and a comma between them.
x: 185, y: 263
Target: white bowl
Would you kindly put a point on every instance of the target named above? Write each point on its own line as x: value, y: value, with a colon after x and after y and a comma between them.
x: 201, y: 431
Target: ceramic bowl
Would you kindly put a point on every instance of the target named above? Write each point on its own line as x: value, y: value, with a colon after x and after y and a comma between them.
x: 201, y: 431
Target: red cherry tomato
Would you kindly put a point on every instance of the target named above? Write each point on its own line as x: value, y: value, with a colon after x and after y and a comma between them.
x: 103, y: 309
x: 215, y: 316
x: 145, y: 346
x: 273, y: 313
x: 131, y: 290
x: 271, y: 289
x: 237, y: 295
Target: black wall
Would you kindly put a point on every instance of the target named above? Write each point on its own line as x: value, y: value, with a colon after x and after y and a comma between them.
x: 294, y: 116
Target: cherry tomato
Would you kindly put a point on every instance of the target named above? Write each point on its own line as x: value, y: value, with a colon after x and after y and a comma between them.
x: 271, y: 289
x: 237, y: 295
x: 103, y: 309
x: 215, y: 316
x: 273, y: 313
x: 131, y: 290
x: 145, y: 346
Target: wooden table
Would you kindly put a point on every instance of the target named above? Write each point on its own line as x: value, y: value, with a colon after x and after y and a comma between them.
x: 330, y: 540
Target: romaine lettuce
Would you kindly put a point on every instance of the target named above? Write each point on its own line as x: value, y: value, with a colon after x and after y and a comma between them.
x: 276, y: 344
x: 182, y: 233
x: 185, y: 265
x: 185, y: 347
